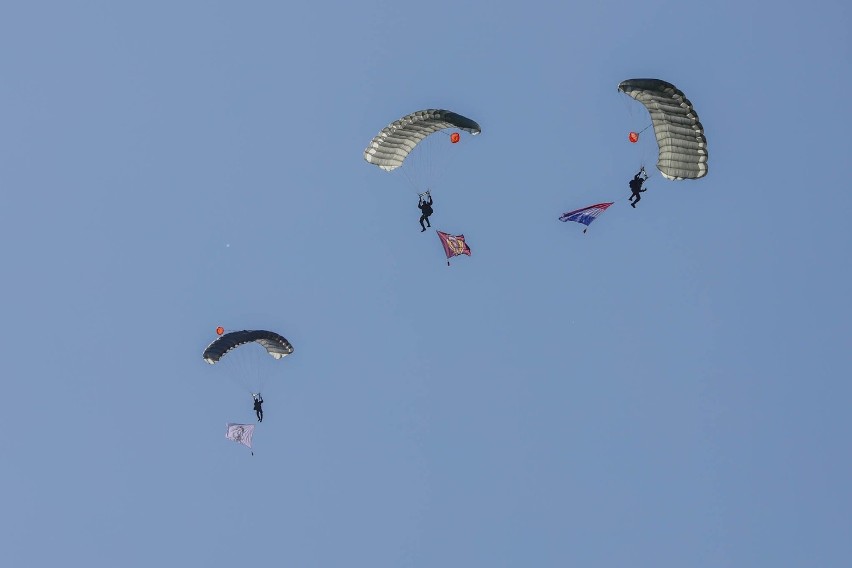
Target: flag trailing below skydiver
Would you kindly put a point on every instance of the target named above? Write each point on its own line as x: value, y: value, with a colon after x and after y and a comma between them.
x: 454, y: 245
x: 240, y: 433
x: 585, y: 215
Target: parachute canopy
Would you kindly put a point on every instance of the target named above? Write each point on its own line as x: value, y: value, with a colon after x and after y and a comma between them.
x: 392, y: 145
x: 276, y: 345
x: 680, y: 135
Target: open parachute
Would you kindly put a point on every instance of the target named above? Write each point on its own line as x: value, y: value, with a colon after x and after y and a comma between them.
x: 276, y: 345
x: 390, y: 147
x: 680, y: 135
x: 243, y: 357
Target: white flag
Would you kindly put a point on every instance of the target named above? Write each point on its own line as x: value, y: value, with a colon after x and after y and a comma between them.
x: 241, y: 433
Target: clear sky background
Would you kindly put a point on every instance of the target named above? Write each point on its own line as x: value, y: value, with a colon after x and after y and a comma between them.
x: 669, y: 389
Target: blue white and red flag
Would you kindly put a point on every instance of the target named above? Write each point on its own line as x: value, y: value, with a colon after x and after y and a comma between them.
x: 585, y: 215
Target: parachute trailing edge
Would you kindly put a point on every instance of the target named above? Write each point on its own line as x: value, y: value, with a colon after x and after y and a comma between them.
x: 392, y: 145
x: 276, y: 345
x: 680, y: 135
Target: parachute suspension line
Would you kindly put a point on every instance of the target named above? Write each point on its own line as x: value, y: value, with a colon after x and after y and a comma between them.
x: 417, y: 167
x: 242, y: 367
x: 433, y: 150
x: 410, y: 179
x: 646, y: 150
x: 229, y: 374
x: 649, y: 150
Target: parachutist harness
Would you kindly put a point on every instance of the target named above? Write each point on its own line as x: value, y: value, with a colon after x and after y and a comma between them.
x: 644, y: 178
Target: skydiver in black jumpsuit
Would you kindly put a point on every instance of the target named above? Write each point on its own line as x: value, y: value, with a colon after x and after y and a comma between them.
x: 258, y: 409
x: 426, y: 210
x: 636, y: 186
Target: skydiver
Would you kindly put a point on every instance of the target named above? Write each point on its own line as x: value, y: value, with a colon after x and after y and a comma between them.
x: 426, y: 210
x: 636, y: 186
x: 258, y: 409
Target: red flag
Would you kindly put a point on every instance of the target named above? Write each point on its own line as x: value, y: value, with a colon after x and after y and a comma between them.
x: 454, y: 245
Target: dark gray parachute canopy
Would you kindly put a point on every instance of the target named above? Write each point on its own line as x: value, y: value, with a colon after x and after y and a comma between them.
x: 392, y: 145
x: 274, y: 344
x: 680, y: 135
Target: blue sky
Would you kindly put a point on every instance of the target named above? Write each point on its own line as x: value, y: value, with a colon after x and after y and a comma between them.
x: 669, y: 389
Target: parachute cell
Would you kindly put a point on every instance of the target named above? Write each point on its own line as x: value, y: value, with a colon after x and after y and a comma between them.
x: 395, y: 142
x: 276, y: 345
x: 680, y: 135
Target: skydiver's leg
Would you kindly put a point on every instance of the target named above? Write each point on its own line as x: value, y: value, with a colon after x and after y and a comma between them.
x: 422, y: 227
x: 428, y: 224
